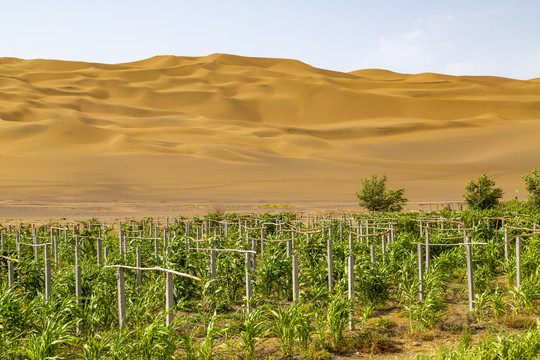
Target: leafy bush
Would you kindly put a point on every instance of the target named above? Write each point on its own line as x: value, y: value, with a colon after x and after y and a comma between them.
x: 532, y: 184
x: 481, y: 194
x: 375, y: 197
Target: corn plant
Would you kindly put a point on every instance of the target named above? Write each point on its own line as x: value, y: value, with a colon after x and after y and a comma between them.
x: 254, y: 327
x: 337, y: 318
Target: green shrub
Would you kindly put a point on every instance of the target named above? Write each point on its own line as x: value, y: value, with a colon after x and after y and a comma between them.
x: 375, y: 197
x: 532, y: 184
x: 481, y: 194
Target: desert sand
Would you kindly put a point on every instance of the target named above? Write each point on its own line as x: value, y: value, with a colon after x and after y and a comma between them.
x: 169, y: 134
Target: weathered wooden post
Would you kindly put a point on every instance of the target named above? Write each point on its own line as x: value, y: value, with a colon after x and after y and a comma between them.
x: 36, y: 247
x: 213, y: 264
x: 47, y: 274
x: 296, y: 287
x: 383, y: 239
x: 263, y: 246
x: 470, y: 278
x: 248, y: 283
x: 420, y: 272
x: 121, y: 298
x: 169, y: 300
x: 351, y: 288
x: 11, y: 275
x: 18, y: 245
x: 78, y: 272
x: 329, y: 257
x: 139, y: 271
x: 99, y: 250
x: 506, y: 246
x: 55, y: 250
x: 120, y: 245
x: 518, y: 262
x: 427, y: 247
x: 373, y: 254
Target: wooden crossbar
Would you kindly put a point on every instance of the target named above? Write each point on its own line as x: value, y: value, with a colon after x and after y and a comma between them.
x: 154, y: 268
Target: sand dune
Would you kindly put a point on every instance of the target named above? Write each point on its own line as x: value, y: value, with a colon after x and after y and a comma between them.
x: 228, y: 129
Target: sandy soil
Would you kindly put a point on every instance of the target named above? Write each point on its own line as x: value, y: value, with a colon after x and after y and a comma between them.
x: 162, y: 135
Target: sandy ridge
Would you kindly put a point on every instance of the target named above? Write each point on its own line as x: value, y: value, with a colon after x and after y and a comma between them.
x: 255, y: 129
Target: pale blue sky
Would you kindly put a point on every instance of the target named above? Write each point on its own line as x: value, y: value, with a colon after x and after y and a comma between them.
x: 459, y: 37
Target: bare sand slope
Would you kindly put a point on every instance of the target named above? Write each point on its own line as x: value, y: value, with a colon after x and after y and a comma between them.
x: 230, y: 129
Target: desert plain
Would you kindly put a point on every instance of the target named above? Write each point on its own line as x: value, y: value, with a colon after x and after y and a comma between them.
x: 185, y: 135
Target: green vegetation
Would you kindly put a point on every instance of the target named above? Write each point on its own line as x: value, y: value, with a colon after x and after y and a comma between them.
x: 211, y: 318
x: 375, y: 197
x: 532, y: 184
x: 481, y: 194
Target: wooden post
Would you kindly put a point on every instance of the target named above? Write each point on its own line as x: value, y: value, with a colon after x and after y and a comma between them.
x: 427, y: 248
x: 139, y: 271
x: 518, y: 262
x: 373, y: 254
x: 55, y: 249
x: 383, y: 239
x: 470, y: 278
x: 47, y: 274
x: 36, y: 248
x: 296, y: 287
x: 254, y: 258
x: 120, y: 238
x: 11, y: 276
x: 165, y: 240
x: 213, y: 264
x: 99, y: 251
x: 19, y: 246
x: 121, y: 298
x: 262, y: 241
x: 248, y: 283
x: 169, y: 300
x: 506, y: 246
x: 330, y: 269
x: 351, y: 288
x: 3, y: 237
x: 78, y: 273
x: 420, y: 272
x: 289, y: 248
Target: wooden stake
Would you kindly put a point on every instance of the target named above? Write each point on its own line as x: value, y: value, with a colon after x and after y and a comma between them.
x: 427, y: 248
x: 99, y: 251
x: 330, y: 269
x: 373, y: 254
x: 351, y: 288
x: 420, y: 272
x: 11, y: 275
x: 248, y: 283
x: 169, y: 300
x: 121, y: 298
x: 296, y: 287
x: 470, y: 278
x: 518, y: 262
x: 55, y: 249
x: 47, y: 274
x: 139, y: 272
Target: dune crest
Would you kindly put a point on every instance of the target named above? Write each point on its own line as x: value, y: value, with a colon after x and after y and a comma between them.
x: 225, y: 127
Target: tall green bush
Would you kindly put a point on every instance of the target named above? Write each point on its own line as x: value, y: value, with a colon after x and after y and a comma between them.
x: 375, y: 197
x: 481, y: 194
x: 532, y: 184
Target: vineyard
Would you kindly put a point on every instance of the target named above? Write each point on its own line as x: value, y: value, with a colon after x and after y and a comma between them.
x: 274, y: 286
